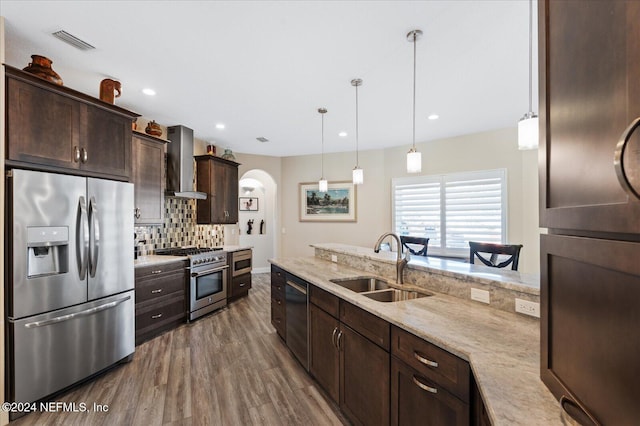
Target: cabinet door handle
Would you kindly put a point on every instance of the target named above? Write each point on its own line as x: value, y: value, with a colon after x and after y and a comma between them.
x: 156, y: 291
x: 333, y: 337
x: 424, y: 360
x: 76, y: 154
x: 136, y: 213
x: 158, y: 271
x: 422, y: 386
x: 339, y: 340
x: 156, y: 316
x: 577, y: 412
x: 85, y: 155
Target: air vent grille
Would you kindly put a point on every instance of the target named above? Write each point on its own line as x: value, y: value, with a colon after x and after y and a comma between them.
x: 72, y: 40
x: 262, y: 139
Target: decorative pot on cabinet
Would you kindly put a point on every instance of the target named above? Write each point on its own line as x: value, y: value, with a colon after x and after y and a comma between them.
x: 41, y: 67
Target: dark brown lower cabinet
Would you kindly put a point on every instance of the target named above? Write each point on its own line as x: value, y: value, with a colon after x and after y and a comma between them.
x: 278, y: 311
x: 324, y: 362
x: 239, y: 286
x: 364, y: 379
x: 160, y: 298
x: 416, y: 400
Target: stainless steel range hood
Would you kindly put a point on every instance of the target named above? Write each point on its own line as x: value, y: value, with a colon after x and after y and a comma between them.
x: 180, y: 182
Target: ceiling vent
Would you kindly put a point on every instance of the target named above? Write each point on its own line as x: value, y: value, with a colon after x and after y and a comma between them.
x: 262, y: 139
x: 72, y: 40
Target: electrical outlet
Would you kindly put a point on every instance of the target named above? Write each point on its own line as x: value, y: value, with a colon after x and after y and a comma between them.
x: 334, y: 258
x: 528, y: 308
x: 480, y: 295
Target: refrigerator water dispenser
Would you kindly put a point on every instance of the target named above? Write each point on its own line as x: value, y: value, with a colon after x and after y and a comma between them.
x: 47, y: 248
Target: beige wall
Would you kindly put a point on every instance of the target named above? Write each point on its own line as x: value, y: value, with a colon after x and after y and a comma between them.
x: 482, y: 151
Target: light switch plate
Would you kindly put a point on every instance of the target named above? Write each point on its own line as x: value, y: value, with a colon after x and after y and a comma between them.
x: 334, y: 258
x: 480, y: 295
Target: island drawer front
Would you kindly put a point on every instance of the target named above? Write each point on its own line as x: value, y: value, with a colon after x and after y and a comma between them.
x: 278, y: 316
x: 278, y: 279
x: 151, y: 271
x: 370, y: 326
x: 158, y: 285
x: 415, y: 399
x: 451, y: 372
x: 324, y: 300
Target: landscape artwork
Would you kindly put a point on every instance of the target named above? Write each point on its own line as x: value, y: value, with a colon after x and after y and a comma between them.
x: 337, y: 204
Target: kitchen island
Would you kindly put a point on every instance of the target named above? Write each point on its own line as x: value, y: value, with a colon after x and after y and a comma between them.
x: 502, y: 348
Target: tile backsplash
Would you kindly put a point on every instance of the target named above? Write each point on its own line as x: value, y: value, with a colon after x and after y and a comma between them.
x: 179, y: 229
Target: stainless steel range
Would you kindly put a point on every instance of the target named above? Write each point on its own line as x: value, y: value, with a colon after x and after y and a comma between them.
x: 207, y: 278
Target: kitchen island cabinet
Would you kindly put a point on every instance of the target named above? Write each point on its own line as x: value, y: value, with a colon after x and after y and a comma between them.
x: 218, y: 178
x: 160, y: 298
x: 278, y: 308
x: 148, y: 178
x: 54, y: 128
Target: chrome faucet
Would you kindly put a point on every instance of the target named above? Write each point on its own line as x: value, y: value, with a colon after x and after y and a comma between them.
x: 400, y: 261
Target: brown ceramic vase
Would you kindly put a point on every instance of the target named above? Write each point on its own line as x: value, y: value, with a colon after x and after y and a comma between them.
x: 41, y: 67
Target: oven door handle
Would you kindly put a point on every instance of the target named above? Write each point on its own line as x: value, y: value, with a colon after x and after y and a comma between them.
x: 208, y: 271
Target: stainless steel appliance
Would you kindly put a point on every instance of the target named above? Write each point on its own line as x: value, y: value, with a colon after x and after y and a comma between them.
x: 70, y: 281
x: 180, y: 164
x: 207, y: 278
x: 241, y: 262
x: 297, y: 318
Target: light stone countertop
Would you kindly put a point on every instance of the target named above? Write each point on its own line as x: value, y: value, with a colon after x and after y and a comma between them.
x: 512, y: 280
x: 154, y: 259
x: 502, y: 348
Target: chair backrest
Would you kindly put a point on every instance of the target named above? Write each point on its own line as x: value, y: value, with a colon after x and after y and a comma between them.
x: 511, y: 250
x: 416, y: 245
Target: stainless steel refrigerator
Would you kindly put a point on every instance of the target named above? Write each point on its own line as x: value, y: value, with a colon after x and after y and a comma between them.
x: 69, y: 284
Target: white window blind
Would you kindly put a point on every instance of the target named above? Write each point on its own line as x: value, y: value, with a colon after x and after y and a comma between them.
x: 451, y: 209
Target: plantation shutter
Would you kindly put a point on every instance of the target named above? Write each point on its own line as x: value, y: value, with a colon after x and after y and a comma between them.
x: 451, y: 209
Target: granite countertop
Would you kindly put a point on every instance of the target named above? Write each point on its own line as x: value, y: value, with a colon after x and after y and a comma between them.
x: 154, y: 259
x: 502, y: 348
x: 513, y: 280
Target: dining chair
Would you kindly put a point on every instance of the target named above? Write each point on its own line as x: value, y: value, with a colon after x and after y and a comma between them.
x: 416, y: 245
x: 495, y: 250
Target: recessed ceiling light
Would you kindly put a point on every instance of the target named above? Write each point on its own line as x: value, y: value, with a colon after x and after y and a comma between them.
x: 262, y: 139
x: 433, y: 117
x: 219, y: 126
x: 149, y: 92
x: 343, y: 134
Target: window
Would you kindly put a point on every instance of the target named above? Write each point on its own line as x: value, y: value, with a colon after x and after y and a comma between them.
x: 451, y: 209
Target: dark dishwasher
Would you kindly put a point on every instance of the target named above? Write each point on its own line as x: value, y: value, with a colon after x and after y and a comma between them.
x: 296, y: 318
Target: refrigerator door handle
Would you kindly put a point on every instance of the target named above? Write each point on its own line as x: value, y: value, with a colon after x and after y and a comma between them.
x: 94, y: 236
x: 84, y: 313
x: 82, y: 238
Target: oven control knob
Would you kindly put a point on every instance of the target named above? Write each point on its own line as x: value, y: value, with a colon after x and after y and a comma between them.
x: 197, y: 262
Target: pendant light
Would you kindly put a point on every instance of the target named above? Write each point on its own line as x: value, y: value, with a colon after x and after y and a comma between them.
x: 323, y: 186
x: 414, y: 158
x: 528, y: 124
x: 358, y: 174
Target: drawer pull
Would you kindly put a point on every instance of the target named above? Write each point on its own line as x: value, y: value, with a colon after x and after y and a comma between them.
x: 278, y: 302
x: 158, y: 271
x: 156, y: 291
x: 156, y: 316
x: 243, y: 284
x: 422, y: 386
x: 424, y: 360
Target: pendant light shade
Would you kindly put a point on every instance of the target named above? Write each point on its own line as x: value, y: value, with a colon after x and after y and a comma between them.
x: 358, y: 173
x: 528, y: 132
x: 323, y: 185
x: 414, y: 158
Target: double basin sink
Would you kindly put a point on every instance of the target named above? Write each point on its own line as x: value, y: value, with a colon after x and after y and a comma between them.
x: 377, y: 289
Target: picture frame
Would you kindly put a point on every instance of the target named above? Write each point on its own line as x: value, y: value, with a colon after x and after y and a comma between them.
x: 338, y: 204
x: 248, y: 204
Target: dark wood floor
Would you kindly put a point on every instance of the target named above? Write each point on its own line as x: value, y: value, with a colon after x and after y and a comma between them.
x: 229, y: 368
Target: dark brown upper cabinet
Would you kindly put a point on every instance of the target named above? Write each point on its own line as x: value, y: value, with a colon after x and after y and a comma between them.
x: 54, y: 128
x: 148, y: 178
x: 218, y: 178
x: 589, y: 95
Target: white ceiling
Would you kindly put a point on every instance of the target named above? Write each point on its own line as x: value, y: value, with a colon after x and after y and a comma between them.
x: 264, y: 67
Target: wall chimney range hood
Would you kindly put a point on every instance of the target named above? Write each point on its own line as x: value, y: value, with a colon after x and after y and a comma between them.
x: 180, y: 182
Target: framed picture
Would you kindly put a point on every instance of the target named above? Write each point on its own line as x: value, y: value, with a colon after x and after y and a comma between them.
x: 338, y: 204
x: 248, y: 204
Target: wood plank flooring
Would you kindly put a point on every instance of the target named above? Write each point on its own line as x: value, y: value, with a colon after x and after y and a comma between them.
x: 229, y: 368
